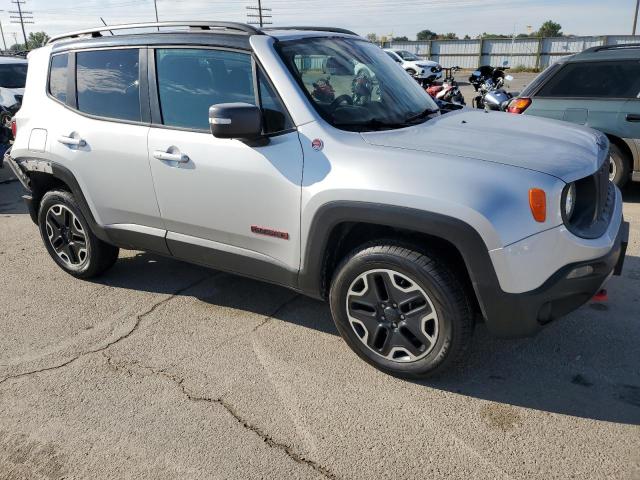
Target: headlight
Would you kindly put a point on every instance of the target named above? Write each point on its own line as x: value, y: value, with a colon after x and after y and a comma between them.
x: 569, y: 201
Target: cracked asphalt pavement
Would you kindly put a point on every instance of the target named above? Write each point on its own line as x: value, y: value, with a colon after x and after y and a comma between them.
x: 164, y: 370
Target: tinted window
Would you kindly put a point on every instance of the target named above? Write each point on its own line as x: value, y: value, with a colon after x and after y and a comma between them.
x: 13, y: 75
x: 393, y: 57
x: 540, y: 79
x: 620, y: 79
x: 58, y: 77
x: 407, y: 56
x: 107, y: 82
x: 276, y: 118
x: 191, y: 80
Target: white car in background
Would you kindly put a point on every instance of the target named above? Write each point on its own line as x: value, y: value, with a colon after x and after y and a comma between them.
x: 414, y: 66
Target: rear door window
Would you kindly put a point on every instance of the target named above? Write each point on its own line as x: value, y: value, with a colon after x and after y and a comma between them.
x: 191, y: 80
x: 58, y: 77
x: 615, y: 79
x: 108, y: 83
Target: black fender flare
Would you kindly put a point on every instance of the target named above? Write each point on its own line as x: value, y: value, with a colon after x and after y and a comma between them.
x: 67, y: 177
x: 457, y: 232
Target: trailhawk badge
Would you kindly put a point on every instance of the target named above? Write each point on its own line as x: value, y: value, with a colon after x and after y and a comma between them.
x: 317, y: 144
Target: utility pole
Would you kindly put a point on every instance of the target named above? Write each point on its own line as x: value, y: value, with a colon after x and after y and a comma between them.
x: 4, y: 42
x: 635, y: 17
x: 260, y: 16
x: 22, y: 17
x: 155, y: 6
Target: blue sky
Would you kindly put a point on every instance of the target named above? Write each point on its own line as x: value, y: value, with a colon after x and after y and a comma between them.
x: 397, y: 17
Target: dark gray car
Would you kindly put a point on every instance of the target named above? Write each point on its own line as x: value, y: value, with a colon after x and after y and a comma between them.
x: 599, y: 88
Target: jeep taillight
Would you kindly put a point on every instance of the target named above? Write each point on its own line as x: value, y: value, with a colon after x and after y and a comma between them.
x: 518, y: 105
x: 14, y: 127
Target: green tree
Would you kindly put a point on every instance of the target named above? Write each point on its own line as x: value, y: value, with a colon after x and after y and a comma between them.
x: 448, y: 36
x: 37, y: 39
x: 550, y: 29
x: 493, y: 35
x: 426, y: 35
x: 400, y: 39
x: 372, y: 37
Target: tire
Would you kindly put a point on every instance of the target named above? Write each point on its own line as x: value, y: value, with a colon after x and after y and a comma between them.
x: 411, y: 72
x: 620, y: 166
x: 68, y: 238
x: 424, y: 336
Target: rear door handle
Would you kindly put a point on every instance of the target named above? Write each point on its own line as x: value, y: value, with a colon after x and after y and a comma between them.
x: 632, y: 117
x: 170, y: 157
x: 77, y: 142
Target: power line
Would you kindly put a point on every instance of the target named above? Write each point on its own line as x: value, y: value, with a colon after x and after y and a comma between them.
x: 260, y: 15
x: 21, y: 17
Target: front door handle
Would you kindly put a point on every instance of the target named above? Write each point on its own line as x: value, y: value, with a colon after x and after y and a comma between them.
x: 72, y: 141
x: 170, y: 157
x: 632, y: 117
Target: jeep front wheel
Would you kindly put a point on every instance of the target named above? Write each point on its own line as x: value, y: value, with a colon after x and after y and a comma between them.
x: 68, y: 238
x: 401, y: 310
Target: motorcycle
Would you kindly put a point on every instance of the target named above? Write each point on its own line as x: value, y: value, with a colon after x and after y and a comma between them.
x: 448, y: 91
x: 489, y: 82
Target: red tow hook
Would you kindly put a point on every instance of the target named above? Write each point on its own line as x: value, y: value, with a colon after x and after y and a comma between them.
x: 601, y: 296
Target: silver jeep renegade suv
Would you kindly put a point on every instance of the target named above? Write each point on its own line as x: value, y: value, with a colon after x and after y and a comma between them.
x: 233, y: 147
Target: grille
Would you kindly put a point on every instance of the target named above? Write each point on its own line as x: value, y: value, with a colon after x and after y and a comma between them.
x: 603, y: 190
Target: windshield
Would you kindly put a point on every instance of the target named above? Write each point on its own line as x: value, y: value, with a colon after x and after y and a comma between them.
x: 410, y: 57
x: 354, y: 85
x: 13, y: 75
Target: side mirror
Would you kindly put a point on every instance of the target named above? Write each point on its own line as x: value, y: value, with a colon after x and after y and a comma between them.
x: 235, y: 120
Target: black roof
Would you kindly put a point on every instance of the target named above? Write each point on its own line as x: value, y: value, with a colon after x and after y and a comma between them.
x: 226, y: 40
x: 222, y: 34
x: 624, y: 51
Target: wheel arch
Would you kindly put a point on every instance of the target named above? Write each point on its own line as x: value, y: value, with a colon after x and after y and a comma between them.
x: 628, y: 148
x: 44, y: 176
x: 339, y: 227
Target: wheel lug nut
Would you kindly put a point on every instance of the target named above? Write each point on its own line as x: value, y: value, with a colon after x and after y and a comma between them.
x: 401, y: 317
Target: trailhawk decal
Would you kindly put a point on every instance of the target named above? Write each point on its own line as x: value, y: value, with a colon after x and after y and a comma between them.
x: 269, y: 232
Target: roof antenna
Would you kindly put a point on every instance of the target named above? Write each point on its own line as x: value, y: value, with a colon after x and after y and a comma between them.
x: 105, y: 24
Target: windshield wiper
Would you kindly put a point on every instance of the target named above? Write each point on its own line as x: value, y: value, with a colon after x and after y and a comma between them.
x: 373, y: 123
x: 418, y: 116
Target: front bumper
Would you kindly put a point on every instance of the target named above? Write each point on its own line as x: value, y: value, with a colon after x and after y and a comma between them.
x: 522, y: 314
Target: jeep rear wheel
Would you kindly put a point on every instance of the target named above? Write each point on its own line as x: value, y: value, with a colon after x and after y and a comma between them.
x: 401, y: 310
x: 68, y: 238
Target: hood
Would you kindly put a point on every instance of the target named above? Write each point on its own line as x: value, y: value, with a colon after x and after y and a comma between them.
x: 423, y: 63
x: 566, y: 151
x: 8, y: 96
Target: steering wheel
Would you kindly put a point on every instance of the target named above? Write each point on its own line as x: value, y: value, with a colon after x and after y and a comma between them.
x: 342, y: 98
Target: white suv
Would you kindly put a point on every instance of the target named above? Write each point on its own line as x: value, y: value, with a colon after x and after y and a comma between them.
x: 228, y: 146
x: 414, y: 66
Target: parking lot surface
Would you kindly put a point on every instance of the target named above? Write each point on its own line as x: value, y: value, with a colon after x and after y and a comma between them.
x: 160, y: 369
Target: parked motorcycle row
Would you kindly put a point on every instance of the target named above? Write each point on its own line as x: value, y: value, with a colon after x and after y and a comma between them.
x: 488, y: 82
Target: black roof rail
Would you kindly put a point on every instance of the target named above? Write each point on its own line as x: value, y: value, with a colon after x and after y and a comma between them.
x: 316, y: 29
x: 612, y: 47
x: 198, y: 25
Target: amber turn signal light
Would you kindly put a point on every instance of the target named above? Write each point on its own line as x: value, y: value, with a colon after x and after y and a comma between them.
x: 518, y: 105
x: 538, y: 204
